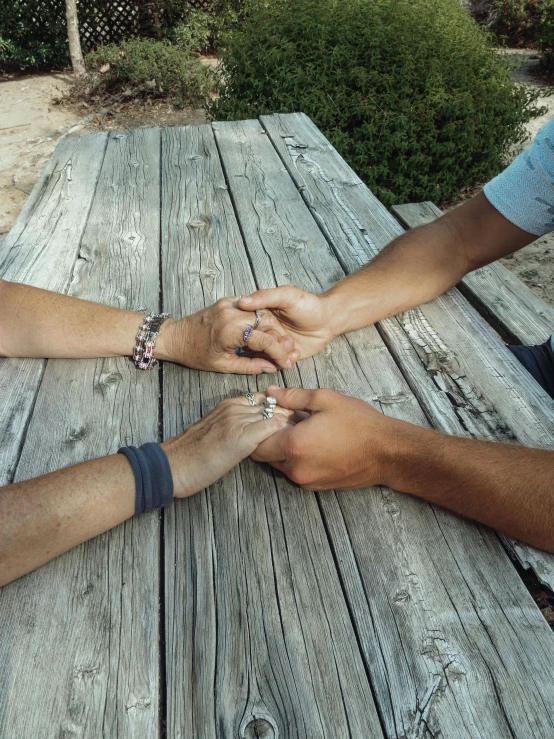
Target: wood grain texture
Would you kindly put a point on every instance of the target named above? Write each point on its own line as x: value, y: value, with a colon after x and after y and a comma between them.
x: 451, y: 639
x: 259, y: 639
x: 86, y: 625
x: 41, y: 250
x: 465, y: 379
x: 502, y: 298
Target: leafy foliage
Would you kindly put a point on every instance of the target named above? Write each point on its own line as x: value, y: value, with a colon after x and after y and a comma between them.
x: 516, y: 22
x: 26, y: 45
x: 410, y: 92
x: 159, y: 66
x: 545, y: 36
x: 200, y: 30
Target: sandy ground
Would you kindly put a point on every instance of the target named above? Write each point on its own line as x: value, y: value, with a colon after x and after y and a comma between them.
x: 31, y: 124
x: 30, y: 127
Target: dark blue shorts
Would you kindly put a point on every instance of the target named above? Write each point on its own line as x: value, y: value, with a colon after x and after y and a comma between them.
x: 539, y: 362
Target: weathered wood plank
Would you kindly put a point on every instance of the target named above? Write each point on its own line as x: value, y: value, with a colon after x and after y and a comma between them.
x: 259, y: 640
x: 463, y: 376
x: 453, y: 643
x: 79, y: 636
x: 502, y: 298
x: 41, y: 250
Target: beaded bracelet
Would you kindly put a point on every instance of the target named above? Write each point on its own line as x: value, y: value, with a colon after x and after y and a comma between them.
x: 149, y: 330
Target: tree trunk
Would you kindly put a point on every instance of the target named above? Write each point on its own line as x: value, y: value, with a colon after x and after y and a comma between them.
x: 77, y: 61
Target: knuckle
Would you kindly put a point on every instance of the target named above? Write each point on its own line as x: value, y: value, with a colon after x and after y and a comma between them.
x: 300, y: 475
x: 227, y: 313
x: 324, y: 394
x: 294, y: 448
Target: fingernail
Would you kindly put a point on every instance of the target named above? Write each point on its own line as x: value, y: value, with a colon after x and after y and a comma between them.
x: 247, y: 301
x: 288, y: 363
x: 272, y: 388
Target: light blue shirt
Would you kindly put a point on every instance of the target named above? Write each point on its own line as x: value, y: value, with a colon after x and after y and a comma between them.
x: 524, y: 191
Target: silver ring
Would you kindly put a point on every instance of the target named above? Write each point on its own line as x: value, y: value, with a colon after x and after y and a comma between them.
x: 267, y: 413
x: 270, y: 402
x: 259, y: 314
x: 251, y: 398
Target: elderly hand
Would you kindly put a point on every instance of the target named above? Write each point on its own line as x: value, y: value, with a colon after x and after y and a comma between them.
x: 211, y: 447
x: 343, y: 442
x: 207, y: 341
x: 305, y: 317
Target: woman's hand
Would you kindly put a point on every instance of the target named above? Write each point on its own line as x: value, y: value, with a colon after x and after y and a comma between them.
x: 207, y: 340
x: 211, y: 447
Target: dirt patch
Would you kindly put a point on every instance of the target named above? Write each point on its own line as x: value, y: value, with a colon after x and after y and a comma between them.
x: 30, y: 128
x: 32, y: 123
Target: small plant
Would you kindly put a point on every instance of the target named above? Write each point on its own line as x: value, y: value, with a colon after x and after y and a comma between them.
x: 152, y: 67
x: 410, y: 92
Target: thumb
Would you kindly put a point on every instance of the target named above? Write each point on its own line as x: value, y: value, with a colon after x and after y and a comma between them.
x: 298, y: 399
x: 285, y: 297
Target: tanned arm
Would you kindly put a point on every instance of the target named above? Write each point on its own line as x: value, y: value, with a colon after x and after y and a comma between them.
x: 345, y: 443
x: 40, y: 323
x: 413, y: 269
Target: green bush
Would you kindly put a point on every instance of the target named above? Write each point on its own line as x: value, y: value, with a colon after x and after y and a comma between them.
x: 161, y: 67
x: 516, y: 22
x: 545, y: 36
x: 410, y: 92
x: 201, y: 30
x: 24, y: 44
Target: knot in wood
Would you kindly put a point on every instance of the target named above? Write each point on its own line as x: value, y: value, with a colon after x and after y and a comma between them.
x: 259, y: 729
x: 111, y: 379
x: 77, y: 434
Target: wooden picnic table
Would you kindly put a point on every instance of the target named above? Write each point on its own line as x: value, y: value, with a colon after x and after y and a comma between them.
x: 255, y: 609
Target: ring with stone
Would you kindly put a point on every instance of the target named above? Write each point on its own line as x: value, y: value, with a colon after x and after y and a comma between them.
x: 259, y: 314
x: 270, y: 402
x: 247, y: 335
x: 250, y: 397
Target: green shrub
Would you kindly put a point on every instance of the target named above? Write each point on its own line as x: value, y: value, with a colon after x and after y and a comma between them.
x: 201, y: 30
x: 161, y: 67
x: 545, y: 36
x: 410, y: 92
x: 516, y: 22
x: 24, y: 44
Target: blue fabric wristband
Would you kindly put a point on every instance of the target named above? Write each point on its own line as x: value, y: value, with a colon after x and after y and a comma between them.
x: 153, y: 478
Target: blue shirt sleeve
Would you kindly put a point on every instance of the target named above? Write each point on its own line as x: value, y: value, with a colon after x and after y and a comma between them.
x: 524, y: 191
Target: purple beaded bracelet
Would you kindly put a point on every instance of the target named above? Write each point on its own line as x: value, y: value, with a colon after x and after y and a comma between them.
x: 143, y: 351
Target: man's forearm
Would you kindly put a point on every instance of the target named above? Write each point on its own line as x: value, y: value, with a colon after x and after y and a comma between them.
x: 411, y: 270
x: 422, y: 264
x: 41, y: 518
x: 509, y: 488
x: 40, y: 323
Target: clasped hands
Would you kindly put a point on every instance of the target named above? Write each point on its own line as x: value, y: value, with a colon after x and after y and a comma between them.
x: 318, y: 438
